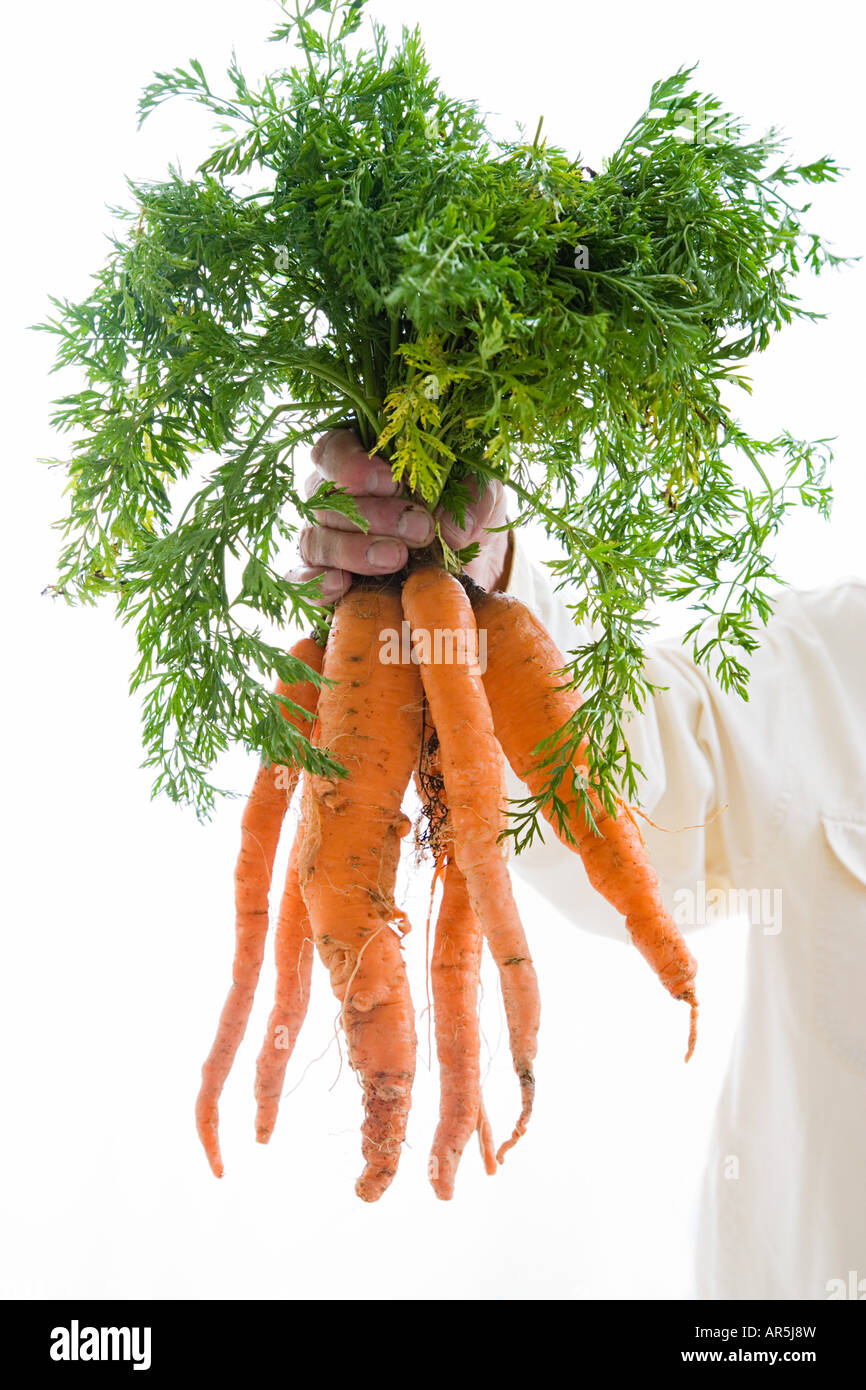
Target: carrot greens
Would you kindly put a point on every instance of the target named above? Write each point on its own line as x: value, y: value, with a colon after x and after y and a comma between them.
x: 357, y: 250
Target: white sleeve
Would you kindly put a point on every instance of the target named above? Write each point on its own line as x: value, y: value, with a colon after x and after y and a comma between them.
x: 709, y: 763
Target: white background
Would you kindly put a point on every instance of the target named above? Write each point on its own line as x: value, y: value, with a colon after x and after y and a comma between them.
x: 118, y: 912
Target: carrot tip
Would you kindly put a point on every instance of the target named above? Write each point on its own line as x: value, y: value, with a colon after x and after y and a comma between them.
x: 215, y: 1162
x: 485, y: 1142
x: 689, y: 998
x: 207, y: 1133
x: 370, y: 1188
x: 442, y: 1169
x: 527, y: 1090
x: 519, y: 1129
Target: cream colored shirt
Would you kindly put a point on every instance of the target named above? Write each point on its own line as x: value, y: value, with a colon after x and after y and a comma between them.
x: 790, y: 766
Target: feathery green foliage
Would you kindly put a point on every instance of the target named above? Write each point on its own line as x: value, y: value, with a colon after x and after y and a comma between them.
x: 357, y: 250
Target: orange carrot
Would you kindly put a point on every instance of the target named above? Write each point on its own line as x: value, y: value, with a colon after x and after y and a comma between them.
x: 371, y: 722
x: 260, y: 832
x: 434, y: 601
x: 293, y: 949
x: 527, y: 708
x: 454, y: 971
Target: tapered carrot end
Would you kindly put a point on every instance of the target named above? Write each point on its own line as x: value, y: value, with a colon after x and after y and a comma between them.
x: 373, y: 1182
x: 212, y: 1151
x: 485, y: 1142
x: 445, y: 1157
x: 690, y: 999
x: 441, y: 1170
x: 266, y: 1118
x: 207, y: 1125
x: 527, y: 1090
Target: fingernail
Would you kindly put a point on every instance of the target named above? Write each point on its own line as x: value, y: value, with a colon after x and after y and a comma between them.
x: 386, y: 555
x: 415, y: 524
x: 332, y: 584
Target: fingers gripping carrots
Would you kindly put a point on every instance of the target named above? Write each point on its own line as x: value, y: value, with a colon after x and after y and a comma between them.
x: 617, y: 865
x: 260, y: 832
x: 439, y: 720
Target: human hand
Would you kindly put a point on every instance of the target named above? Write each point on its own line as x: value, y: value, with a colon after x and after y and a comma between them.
x: 336, y: 548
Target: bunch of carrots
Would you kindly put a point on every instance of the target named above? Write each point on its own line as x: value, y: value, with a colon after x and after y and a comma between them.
x: 447, y: 727
x: 358, y: 250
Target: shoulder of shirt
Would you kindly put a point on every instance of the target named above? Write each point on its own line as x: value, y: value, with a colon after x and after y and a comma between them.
x: 528, y: 580
x: 845, y: 581
x: 823, y: 599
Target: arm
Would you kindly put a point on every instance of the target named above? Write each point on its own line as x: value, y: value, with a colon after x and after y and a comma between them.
x: 752, y: 777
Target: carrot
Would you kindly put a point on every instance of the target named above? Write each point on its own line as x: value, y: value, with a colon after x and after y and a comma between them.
x: 293, y: 949
x: 528, y: 708
x: 434, y: 601
x: 455, y: 971
x: 371, y: 721
x: 260, y: 832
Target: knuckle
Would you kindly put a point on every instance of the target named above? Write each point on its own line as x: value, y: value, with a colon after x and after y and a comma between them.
x: 321, y: 445
x: 306, y: 544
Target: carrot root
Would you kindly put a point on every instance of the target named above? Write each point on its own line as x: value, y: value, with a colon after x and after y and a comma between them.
x: 691, y: 1000
x: 522, y: 657
x: 293, y: 949
x: 371, y: 720
x: 338, y: 899
x: 485, y: 1142
x: 471, y: 759
x: 261, y: 824
x: 455, y: 974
